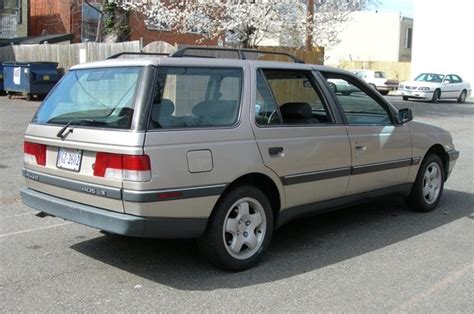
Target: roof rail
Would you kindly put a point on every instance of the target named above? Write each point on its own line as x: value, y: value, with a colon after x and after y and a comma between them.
x: 239, y: 51
x: 118, y: 55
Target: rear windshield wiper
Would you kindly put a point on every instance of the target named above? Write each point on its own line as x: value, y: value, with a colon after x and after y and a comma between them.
x: 61, y: 134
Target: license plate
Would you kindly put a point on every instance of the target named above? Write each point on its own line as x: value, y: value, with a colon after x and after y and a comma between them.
x: 69, y: 159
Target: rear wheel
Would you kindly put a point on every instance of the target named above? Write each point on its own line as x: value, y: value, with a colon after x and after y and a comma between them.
x: 384, y: 92
x: 429, y: 184
x: 405, y: 98
x: 239, y: 230
x: 436, y: 95
x: 462, y: 97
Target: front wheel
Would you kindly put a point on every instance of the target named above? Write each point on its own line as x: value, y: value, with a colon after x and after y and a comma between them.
x: 239, y: 230
x: 429, y: 184
x: 436, y: 95
x: 384, y: 92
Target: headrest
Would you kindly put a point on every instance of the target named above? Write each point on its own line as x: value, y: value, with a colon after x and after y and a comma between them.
x: 166, y: 107
x: 296, y: 110
x: 220, y: 112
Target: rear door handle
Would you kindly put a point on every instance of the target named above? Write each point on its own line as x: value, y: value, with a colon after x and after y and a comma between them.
x: 360, y: 148
x: 275, y: 151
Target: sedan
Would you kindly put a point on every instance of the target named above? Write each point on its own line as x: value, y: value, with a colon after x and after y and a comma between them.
x: 433, y: 87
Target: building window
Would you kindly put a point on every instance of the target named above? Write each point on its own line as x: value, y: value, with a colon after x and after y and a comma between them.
x: 90, y: 20
x: 11, y: 7
x: 408, y: 38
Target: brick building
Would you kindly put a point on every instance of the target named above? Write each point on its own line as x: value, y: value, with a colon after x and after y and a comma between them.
x: 74, y: 16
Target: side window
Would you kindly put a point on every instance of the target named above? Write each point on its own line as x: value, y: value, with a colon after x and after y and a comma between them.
x: 290, y: 97
x: 456, y: 79
x: 448, y: 79
x: 188, y: 97
x: 359, y: 107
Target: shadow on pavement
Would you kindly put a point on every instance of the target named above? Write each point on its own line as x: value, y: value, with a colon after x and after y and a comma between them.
x: 298, y: 247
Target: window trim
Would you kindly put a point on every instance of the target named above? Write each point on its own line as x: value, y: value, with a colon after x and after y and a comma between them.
x: 149, y: 104
x: 314, y: 83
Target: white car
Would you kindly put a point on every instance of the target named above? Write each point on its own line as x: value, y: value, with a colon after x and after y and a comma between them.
x: 341, y: 86
x: 433, y: 87
x: 378, y: 80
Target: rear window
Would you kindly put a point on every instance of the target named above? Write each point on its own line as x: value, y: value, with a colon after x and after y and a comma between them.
x: 193, y: 97
x: 93, y: 97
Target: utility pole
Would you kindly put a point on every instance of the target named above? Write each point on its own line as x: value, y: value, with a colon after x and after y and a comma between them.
x: 309, y: 24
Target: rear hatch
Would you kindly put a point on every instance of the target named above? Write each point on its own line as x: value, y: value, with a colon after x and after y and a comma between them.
x: 82, y: 142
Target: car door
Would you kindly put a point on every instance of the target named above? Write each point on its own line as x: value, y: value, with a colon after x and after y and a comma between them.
x: 457, y: 84
x: 448, y: 87
x: 381, y: 149
x: 299, y: 137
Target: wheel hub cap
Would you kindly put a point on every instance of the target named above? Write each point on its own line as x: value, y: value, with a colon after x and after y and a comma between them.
x: 432, y: 182
x: 244, y: 228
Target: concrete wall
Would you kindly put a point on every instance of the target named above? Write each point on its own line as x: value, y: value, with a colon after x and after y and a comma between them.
x: 442, y: 40
x: 369, y: 36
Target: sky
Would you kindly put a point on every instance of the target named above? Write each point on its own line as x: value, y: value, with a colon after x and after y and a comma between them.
x: 404, y: 6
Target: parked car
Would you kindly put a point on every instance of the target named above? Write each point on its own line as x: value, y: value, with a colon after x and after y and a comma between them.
x: 340, y: 86
x: 433, y: 87
x: 222, y: 150
x: 378, y: 80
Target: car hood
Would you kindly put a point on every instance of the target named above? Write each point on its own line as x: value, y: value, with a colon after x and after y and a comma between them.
x: 419, y: 84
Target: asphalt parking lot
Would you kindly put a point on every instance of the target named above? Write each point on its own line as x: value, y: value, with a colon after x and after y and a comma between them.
x: 378, y: 256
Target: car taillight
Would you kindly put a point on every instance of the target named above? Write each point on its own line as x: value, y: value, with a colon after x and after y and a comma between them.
x: 123, y: 167
x: 34, y: 153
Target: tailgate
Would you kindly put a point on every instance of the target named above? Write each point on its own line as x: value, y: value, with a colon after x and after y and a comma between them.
x: 69, y: 168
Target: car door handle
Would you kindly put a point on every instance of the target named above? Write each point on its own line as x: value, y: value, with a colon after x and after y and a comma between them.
x: 360, y: 148
x: 275, y: 151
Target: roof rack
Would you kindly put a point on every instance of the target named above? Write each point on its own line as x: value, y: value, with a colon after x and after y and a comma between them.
x: 240, y: 52
x: 118, y: 55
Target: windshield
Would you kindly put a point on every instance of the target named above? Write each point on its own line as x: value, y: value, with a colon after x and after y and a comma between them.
x: 430, y: 77
x: 94, y: 97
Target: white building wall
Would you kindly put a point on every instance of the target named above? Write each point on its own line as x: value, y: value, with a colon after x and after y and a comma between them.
x: 368, y: 36
x: 442, y: 38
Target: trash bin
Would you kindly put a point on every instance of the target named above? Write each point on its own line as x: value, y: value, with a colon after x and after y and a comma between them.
x: 29, y: 78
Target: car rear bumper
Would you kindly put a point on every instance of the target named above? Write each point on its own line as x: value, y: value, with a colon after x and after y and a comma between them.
x: 114, y: 222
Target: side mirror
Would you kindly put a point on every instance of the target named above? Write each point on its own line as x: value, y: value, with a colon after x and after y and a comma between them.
x: 447, y: 82
x: 405, y: 115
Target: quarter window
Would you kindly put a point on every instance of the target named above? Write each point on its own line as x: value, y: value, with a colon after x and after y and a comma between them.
x: 190, y: 97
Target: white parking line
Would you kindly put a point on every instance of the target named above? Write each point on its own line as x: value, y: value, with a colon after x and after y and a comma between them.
x: 19, y: 215
x: 31, y: 230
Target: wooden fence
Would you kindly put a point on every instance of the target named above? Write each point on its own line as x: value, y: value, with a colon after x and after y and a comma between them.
x: 66, y: 55
x: 394, y: 70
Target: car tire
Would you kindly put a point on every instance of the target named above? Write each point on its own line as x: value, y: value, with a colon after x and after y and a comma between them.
x: 239, y: 230
x: 384, y: 92
x: 428, y: 187
x: 405, y: 98
x: 462, y: 97
x: 436, y: 95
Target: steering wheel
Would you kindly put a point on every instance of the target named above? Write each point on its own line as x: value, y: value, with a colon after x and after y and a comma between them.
x: 272, y: 116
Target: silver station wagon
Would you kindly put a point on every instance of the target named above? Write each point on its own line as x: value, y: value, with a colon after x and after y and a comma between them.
x: 225, y: 150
